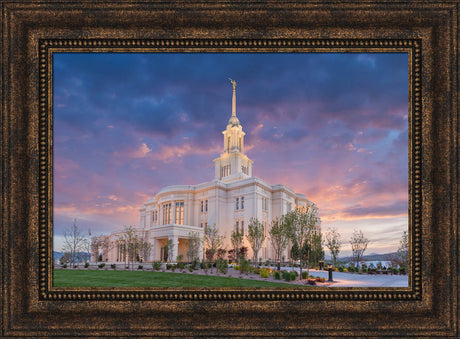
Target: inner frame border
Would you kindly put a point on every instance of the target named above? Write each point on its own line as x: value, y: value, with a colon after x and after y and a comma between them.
x: 49, y: 46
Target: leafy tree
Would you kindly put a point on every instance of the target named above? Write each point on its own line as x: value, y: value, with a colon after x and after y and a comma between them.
x: 194, y: 245
x: 333, y: 243
x: 358, y: 245
x: 213, y: 241
x: 295, y: 251
x: 255, y: 236
x: 278, y: 237
x: 242, y: 252
x: 74, y: 242
x: 300, y: 225
x: 317, y: 252
x: 402, y: 254
x: 237, y: 240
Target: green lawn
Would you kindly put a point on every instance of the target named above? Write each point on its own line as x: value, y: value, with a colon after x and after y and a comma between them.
x: 110, y: 278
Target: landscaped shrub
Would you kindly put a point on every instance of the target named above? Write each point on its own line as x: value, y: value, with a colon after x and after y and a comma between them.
x: 140, y: 267
x: 173, y: 267
x: 319, y: 279
x: 265, y: 272
x: 86, y: 264
x: 256, y: 270
x: 245, y: 266
x: 64, y: 266
x: 156, y: 265
x: 168, y: 266
x: 294, y: 275
x: 101, y: 265
x: 194, y: 265
x: 304, y: 274
x: 351, y: 269
x: 236, y: 267
x: 277, y: 275
x: 340, y: 268
x: 113, y: 266
x: 286, y: 275
x: 180, y: 264
x: 222, y: 266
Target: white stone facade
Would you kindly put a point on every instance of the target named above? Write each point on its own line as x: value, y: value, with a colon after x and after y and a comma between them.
x: 229, y: 202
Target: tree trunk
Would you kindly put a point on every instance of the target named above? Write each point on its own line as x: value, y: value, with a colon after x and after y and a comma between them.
x: 300, y: 268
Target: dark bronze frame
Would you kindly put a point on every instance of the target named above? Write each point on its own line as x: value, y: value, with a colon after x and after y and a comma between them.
x: 33, y: 31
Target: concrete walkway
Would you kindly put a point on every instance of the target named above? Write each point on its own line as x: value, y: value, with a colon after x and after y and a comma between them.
x: 363, y: 280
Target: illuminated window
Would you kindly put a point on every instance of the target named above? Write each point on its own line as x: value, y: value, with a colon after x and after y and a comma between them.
x: 180, y: 212
x: 166, y: 213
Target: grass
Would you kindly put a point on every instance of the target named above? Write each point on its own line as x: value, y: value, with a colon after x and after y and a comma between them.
x: 103, y: 278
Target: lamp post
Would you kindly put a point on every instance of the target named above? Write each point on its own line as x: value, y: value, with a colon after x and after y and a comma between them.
x: 330, y: 273
x: 279, y: 265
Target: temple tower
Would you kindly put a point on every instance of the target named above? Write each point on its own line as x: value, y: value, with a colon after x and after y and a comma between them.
x: 233, y: 164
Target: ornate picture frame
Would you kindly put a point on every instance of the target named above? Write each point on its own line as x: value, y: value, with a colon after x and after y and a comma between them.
x: 33, y: 31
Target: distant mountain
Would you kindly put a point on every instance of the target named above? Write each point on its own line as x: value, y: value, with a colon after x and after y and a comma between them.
x: 371, y: 257
x: 59, y: 255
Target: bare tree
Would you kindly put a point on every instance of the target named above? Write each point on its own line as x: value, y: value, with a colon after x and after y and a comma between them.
x: 145, y: 248
x: 194, y: 245
x: 74, y: 243
x: 358, y: 245
x: 237, y: 240
x: 333, y: 242
x: 130, y: 242
x: 170, y: 249
x: 256, y: 237
x: 300, y: 225
x: 278, y: 237
x: 213, y: 241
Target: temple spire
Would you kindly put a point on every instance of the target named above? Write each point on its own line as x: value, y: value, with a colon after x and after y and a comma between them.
x: 233, y: 119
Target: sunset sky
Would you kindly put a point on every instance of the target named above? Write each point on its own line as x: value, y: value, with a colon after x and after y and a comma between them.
x: 332, y: 126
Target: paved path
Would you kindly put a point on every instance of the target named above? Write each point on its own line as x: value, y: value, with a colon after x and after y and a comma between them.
x: 363, y: 280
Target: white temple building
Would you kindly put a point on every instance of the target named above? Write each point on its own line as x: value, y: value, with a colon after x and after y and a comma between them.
x: 229, y: 201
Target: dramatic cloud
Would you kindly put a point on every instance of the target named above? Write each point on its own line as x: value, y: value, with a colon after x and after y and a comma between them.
x: 330, y: 125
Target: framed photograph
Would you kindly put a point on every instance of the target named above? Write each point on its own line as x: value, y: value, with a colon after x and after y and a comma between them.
x: 158, y: 160
x: 150, y: 153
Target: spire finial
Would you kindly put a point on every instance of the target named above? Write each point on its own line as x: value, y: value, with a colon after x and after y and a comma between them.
x: 233, y: 83
x: 234, y: 98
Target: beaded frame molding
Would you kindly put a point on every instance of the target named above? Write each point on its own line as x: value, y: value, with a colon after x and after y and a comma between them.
x: 33, y: 30
x: 48, y: 47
